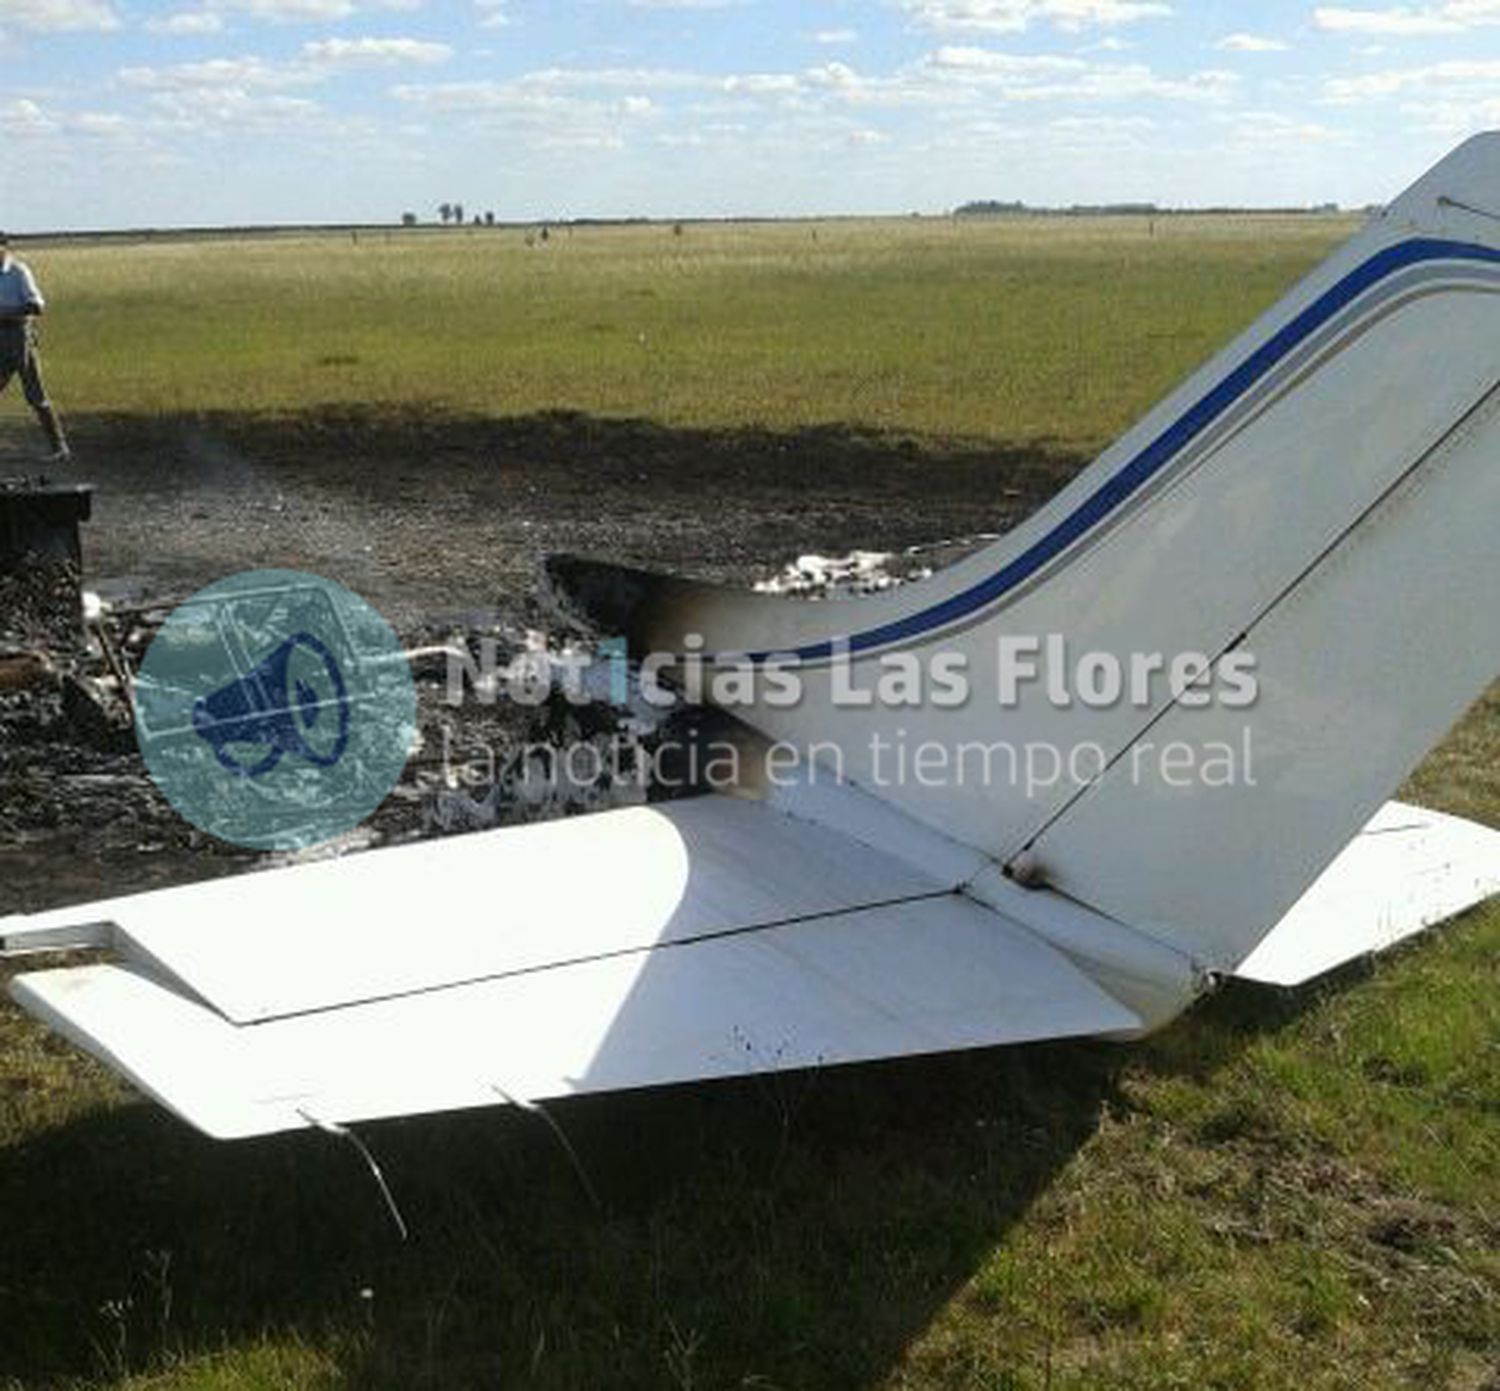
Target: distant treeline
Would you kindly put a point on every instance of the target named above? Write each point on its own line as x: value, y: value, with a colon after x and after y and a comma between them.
x: 993, y: 207
x: 376, y: 230
x: 355, y: 230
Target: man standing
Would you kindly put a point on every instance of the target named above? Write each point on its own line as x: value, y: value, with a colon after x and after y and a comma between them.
x: 20, y: 303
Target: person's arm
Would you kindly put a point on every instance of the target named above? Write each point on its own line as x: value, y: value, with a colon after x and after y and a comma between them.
x: 35, y: 306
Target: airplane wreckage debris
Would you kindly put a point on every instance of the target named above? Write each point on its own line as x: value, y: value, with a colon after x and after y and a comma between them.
x: 68, y: 658
x: 40, y: 572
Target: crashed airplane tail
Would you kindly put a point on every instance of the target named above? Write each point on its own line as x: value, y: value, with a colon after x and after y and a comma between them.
x: 1290, y: 560
x: 1289, y: 563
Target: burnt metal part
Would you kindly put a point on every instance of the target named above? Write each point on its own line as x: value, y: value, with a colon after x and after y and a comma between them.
x: 42, y: 520
x: 616, y: 600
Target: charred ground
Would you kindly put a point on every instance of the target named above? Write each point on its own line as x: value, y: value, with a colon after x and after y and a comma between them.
x: 441, y: 521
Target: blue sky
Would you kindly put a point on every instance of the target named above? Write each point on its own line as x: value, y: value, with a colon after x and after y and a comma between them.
x: 123, y: 112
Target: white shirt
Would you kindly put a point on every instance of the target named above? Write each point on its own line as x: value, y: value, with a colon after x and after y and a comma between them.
x: 17, y: 286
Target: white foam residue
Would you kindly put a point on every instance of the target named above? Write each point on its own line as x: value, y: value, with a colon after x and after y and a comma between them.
x: 833, y: 577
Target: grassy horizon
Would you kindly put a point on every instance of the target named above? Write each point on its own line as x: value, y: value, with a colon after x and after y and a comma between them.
x: 1057, y: 329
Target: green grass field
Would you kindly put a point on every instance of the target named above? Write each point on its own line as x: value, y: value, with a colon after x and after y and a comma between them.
x: 1281, y: 1191
x: 1044, y: 329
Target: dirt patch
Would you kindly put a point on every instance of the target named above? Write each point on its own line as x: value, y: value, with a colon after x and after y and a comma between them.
x: 423, y: 514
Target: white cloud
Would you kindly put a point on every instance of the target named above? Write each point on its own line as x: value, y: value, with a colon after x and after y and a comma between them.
x: 315, y: 62
x: 1016, y: 16
x: 1442, y: 81
x: 329, y: 53
x: 574, y: 79
x: 1404, y: 21
x: 993, y: 62
x: 833, y: 74
x: 290, y: 11
x: 1250, y: 43
x: 240, y: 73
x: 950, y: 77
x: 1454, y: 119
x: 834, y: 37
x: 1102, y: 128
x: 1133, y: 81
x: 1446, y: 100
x: 103, y: 124
x: 186, y: 22
x: 762, y: 83
x: 1265, y: 130
x: 58, y: 16
x: 595, y: 86
x: 24, y: 118
x: 209, y: 16
x: 532, y: 116
x: 471, y: 96
x: 193, y: 109
x: 492, y: 14
x: 1052, y: 77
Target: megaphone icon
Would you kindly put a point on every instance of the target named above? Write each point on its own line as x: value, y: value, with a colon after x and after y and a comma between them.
x: 278, y: 709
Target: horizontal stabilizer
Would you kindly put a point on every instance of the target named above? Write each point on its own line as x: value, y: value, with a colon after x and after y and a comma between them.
x: 464, y: 908
x: 1408, y: 870
x: 931, y: 976
x: 702, y: 939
